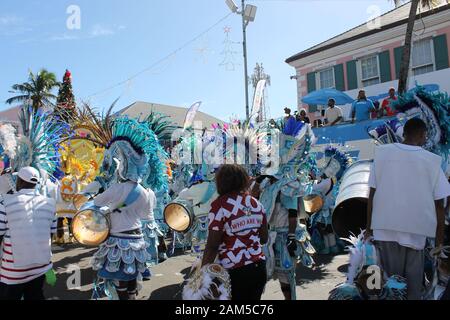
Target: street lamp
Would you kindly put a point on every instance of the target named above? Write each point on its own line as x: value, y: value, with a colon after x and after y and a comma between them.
x: 248, y: 13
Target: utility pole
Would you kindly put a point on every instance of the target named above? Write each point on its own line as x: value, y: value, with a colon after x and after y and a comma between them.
x: 248, y: 13
x: 244, y: 43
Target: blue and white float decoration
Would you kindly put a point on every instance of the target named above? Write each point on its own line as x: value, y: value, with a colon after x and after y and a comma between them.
x: 432, y: 108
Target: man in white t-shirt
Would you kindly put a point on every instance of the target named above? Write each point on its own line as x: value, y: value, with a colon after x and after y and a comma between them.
x: 333, y: 114
x: 27, y: 222
x: 405, y: 207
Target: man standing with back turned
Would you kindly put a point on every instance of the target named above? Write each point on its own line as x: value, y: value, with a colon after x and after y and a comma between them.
x: 27, y: 222
x: 405, y: 205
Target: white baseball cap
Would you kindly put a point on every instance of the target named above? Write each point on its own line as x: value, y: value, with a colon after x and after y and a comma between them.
x: 29, y: 174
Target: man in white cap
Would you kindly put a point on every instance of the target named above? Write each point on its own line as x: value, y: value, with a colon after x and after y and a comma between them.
x: 27, y: 221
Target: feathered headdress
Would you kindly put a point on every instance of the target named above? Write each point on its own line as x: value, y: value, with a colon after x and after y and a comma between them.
x: 127, y: 131
x: 133, y: 151
x: 335, y: 162
x: 8, y: 144
x: 247, y: 146
x: 40, y: 144
x: 160, y: 125
x: 292, y: 140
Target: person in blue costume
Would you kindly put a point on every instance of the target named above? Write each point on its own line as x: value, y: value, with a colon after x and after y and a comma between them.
x: 279, y: 194
x: 154, y: 234
x: 201, y: 193
x: 334, y: 165
x: 133, y: 166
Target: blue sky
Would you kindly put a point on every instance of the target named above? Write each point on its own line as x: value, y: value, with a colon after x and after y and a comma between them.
x: 119, y: 38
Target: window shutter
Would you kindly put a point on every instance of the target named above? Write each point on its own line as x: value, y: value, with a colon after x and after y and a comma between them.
x: 311, y: 82
x: 339, y: 81
x: 398, y: 53
x: 311, y: 79
x: 352, y: 78
x: 441, y: 52
x: 385, y: 66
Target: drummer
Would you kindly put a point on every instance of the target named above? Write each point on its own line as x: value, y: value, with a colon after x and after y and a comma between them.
x: 321, y: 221
x: 125, y: 235
x: 201, y: 193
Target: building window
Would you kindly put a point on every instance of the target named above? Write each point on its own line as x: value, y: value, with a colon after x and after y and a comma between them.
x: 326, y: 78
x: 422, y: 57
x: 370, y: 73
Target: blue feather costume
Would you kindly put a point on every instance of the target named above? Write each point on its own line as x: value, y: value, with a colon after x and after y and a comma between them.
x: 133, y: 154
x: 281, y: 195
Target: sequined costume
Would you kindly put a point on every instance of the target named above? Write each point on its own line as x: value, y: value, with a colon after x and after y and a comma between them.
x: 280, y: 193
x: 133, y: 166
x: 332, y: 168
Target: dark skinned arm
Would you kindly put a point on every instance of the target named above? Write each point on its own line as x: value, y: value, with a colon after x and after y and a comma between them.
x: 369, y: 232
x: 440, y: 215
x: 264, y: 233
x: 336, y: 121
x: 447, y: 208
x: 292, y: 223
x: 212, y: 247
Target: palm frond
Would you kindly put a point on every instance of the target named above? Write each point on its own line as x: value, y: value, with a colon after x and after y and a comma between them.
x: 22, y: 98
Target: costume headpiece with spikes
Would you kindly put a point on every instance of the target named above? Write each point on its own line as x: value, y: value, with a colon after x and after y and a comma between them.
x: 132, y: 151
x: 40, y: 144
x: 335, y: 163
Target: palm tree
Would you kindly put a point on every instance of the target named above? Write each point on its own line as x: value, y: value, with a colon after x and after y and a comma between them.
x: 38, y: 90
x: 405, y: 62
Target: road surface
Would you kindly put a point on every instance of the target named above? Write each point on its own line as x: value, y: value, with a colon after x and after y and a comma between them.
x: 167, y: 279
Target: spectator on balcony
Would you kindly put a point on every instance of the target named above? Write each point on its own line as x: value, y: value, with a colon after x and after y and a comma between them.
x: 287, y: 114
x: 301, y: 116
x: 386, y: 107
x: 362, y: 107
x: 333, y: 114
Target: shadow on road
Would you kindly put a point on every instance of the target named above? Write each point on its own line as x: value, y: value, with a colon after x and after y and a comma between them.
x: 61, y: 291
x: 305, y: 275
x: 343, y: 268
x: 172, y: 292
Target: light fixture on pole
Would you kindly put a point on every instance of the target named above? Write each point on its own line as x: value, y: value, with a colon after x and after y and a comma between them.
x: 233, y: 7
x: 248, y: 13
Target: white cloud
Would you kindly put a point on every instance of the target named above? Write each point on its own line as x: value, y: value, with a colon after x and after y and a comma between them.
x: 63, y: 37
x: 9, y: 20
x: 100, y: 31
x: 11, y: 25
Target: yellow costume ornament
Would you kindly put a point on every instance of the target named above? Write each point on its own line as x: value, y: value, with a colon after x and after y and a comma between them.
x: 81, y: 164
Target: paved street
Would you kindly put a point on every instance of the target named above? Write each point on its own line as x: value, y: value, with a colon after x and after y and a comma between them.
x: 166, y: 283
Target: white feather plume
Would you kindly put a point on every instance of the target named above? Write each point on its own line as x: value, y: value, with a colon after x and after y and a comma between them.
x: 356, y: 256
x: 8, y: 140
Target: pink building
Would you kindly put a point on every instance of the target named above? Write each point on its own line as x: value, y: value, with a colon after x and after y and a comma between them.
x: 368, y: 56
